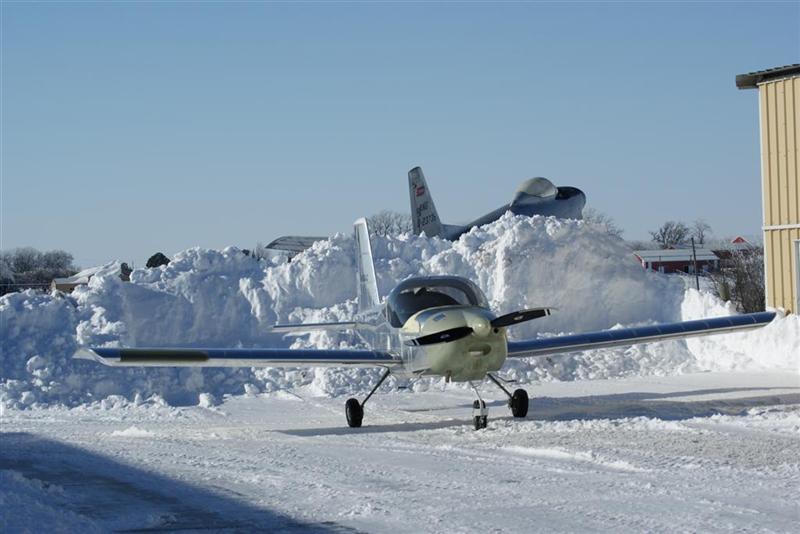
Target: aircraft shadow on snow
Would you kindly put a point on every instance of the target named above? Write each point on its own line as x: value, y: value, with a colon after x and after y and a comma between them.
x: 592, y: 407
x: 123, y: 498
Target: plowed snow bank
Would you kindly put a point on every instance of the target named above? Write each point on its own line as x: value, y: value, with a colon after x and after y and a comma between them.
x: 225, y: 298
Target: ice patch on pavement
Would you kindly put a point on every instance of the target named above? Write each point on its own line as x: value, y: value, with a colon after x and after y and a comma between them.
x: 132, y: 432
x: 573, y: 456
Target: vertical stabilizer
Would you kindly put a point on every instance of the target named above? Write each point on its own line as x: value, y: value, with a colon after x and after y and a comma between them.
x: 423, y: 211
x: 366, y: 283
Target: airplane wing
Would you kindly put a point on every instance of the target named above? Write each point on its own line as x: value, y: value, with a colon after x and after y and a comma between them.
x: 639, y: 334
x: 184, y: 357
x: 312, y: 327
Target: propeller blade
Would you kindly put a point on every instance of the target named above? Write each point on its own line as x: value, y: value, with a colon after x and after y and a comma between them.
x: 445, y: 336
x: 520, y: 317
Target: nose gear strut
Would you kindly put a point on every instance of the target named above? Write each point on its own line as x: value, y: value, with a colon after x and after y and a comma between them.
x: 480, y: 415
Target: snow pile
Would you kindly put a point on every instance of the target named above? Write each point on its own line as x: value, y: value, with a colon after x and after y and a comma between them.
x: 36, y: 503
x: 226, y: 298
x: 776, y: 346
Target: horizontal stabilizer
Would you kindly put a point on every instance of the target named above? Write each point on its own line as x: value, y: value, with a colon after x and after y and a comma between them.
x: 293, y: 244
x: 188, y: 357
x: 639, y: 334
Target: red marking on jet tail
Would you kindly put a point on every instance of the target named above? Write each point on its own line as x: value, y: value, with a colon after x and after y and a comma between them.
x: 420, y: 190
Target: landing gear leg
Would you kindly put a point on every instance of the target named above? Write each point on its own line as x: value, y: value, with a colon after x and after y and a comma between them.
x: 480, y: 415
x: 354, y: 410
x: 518, y: 401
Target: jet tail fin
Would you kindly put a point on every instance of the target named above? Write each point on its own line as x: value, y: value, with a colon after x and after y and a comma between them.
x: 423, y: 210
x: 366, y: 283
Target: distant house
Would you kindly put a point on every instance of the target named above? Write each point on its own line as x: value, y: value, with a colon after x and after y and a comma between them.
x: 677, y: 260
x: 68, y: 284
x: 737, y: 244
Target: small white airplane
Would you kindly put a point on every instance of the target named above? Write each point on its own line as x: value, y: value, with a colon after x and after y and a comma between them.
x: 427, y: 326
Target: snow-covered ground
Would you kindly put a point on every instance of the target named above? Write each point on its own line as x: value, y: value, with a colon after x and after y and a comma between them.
x: 697, y: 435
x: 708, y: 452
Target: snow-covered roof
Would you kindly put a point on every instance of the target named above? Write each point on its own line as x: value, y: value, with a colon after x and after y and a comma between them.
x: 675, y: 254
x: 83, y: 277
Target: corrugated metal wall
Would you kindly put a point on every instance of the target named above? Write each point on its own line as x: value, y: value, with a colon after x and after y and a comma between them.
x: 780, y: 127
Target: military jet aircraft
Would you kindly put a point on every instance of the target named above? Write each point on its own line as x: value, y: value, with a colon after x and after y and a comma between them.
x: 433, y: 326
x: 535, y: 196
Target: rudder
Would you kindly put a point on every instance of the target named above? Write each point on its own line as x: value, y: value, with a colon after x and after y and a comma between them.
x: 423, y: 210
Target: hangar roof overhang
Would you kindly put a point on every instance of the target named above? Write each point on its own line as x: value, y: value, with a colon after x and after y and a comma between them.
x: 752, y: 79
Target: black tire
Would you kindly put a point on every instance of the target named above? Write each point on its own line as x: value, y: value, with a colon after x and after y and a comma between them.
x: 480, y: 421
x: 519, y: 403
x: 354, y: 413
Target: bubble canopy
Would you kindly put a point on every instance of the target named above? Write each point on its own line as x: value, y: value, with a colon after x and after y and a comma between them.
x: 416, y: 294
x: 538, y: 187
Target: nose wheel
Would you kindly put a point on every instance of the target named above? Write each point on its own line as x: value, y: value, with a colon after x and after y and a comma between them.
x: 480, y: 415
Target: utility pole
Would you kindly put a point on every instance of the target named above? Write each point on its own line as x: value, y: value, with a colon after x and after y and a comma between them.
x: 694, y: 260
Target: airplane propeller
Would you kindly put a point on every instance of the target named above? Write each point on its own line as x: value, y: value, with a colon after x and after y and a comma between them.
x: 520, y: 317
x: 445, y: 336
x: 452, y: 334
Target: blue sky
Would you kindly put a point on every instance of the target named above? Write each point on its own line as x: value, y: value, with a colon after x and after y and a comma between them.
x: 131, y: 128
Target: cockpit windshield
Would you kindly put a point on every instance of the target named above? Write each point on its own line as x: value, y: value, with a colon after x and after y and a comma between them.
x: 417, y: 294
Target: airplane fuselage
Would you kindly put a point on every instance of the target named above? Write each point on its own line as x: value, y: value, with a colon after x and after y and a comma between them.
x: 567, y: 204
x: 467, y: 358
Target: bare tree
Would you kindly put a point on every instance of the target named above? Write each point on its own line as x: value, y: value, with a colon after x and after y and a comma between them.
x: 24, y: 259
x: 603, y: 221
x: 6, y: 272
x: 700, y: 230
x: 741, y: 279
x: 27, y: 267
x: 389, y: 223
x: 671, y: 234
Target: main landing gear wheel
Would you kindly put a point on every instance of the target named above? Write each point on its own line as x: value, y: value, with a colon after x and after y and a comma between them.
x: 480, y: 416
x: 354, y: 412
x: 519, y: 403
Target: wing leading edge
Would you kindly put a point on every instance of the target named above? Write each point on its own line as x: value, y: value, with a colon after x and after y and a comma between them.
x: 641, y: 334
x: 312, y: 327
x: 181, y: 357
